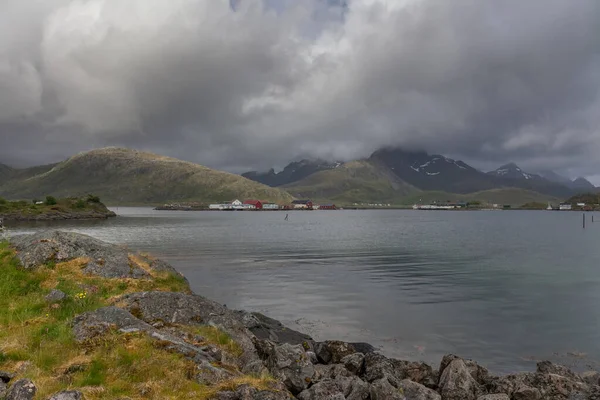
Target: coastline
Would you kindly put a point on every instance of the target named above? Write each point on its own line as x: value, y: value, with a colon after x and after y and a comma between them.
x: 300, y: 367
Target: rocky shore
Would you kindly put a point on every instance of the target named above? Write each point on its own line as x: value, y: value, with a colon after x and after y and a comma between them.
x: 111, y: 302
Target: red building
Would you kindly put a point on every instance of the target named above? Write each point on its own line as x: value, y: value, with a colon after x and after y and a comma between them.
x: 256, y: 203
x: 327, y: 207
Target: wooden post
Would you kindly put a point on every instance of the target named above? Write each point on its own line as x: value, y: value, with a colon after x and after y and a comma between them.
x: 592, y: 217
x: 583, y: 220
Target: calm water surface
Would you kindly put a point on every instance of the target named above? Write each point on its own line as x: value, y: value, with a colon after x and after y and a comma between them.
x: 505, y: 288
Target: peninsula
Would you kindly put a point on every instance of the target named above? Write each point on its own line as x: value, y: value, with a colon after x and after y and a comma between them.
x: 49, y: 209
x: 84, y: 319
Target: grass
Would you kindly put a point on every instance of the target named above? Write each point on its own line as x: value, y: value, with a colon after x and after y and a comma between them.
x: 123, y: 176
x: 36, y: 339
x: 71, y: 205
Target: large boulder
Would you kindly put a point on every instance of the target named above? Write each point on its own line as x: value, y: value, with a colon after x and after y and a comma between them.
x: 105, y: 259
x: 382, y: 389
x: 414, y: 391
x: 92, y: 324
x: 332, y: 351
x: 354, y: 363
x: 479, y: 373
x: 377, y: 366
x: 326, y: 389
x: 456, y: 382
x: 290, y: 364
x: 266, y: 328
x: 247, y: 392
x: 186, y: 309
x: 524, y: 392
x: 494, y: 397
x: 67, y: 395
x: 22, y: 389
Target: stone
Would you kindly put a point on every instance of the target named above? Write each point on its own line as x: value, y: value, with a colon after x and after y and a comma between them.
x: 509, y: 384
x: 456, y: 382
x: 40, y: 248
x: 92, y: 324
x: 326, y: 389
x: 525, y: 392
x: 547, y: 367
x: 479, y: 373
x: 354, y: 362
x: 266, y: 328
x: 415, y: 391
x: 3, y: 389
x: 188, y: 309
x: 6, y: 376
x: 591, y: 377
x: 332, y: 351
x: 291, y: 365
x: 377, y: 367
x: 382, y: 390
x: 67, y: 395
x: 494, y: 397
x: 22, y: 389
x: 55, y: 296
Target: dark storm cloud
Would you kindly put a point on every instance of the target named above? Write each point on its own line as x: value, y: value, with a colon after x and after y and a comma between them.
x: 252, y: 84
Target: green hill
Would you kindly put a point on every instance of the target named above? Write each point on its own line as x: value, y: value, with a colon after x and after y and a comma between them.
x: 512, y: 196
x: 122, y: 176
x: 356, y: 181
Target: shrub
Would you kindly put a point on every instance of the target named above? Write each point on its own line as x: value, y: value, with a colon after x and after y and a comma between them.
x: 80, y: 203
x: 35, y: 201
x: 3, y: 200
x: 93, y: 199
x: 50, y: 201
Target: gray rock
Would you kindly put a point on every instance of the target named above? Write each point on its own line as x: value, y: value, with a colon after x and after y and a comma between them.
x: 6, y: 376
x: 266, y: 328
x: 291, y: 365
x: 510, y: 383
x: 547, y: 367
x: 354, y: 363
x: 479, y: 373
x: 185, y: 309
x: 456, y: 382
x: 3, y: 389
x: 377, y: 366
x: 22, y: 389
x: 92, y: 324
x: 382, y: 390
x: 55, y: 296
x: 111, y: 261
x: 525, y: 392
x: 327, y: 389
x: 494, y: 397
x: 332, y: 351
x: 414, y: 391
x: 67, y: 395
x: 591, y: 377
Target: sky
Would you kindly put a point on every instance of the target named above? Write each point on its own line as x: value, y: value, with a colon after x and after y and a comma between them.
x: 252, y: 84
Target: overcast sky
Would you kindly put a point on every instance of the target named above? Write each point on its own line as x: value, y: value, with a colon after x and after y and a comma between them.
x: 250, y: 84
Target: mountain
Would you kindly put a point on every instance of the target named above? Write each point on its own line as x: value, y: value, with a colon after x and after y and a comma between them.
x: 355, y: 181
x: 512, y: 171
x: 581, y: 184
x: 293, y: 172
x: 554, y: 177
x: 433, y: 172
x: 122, y: 176
x: 5, y: 173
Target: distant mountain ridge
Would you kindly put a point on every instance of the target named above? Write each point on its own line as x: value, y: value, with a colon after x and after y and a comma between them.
x: 123, y: 176
x: 421, y: 171
x: 293, y: 172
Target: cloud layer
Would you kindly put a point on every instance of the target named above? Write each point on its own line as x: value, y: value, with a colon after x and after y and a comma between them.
x: 255, y: 83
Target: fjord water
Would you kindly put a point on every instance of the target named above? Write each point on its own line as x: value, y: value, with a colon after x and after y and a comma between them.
x: 505, y: 288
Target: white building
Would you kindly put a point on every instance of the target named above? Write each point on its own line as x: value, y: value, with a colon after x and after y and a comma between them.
x: 270, y: 206
x: 580, y: 204
x: 564, y: 207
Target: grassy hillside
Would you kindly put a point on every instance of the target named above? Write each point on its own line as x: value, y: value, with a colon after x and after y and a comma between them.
x: 5, y: 173
x: 512, y: 196
x: 356, y: 181
x: 122, y: 176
